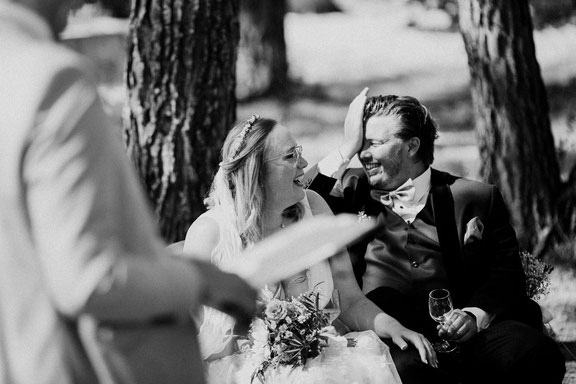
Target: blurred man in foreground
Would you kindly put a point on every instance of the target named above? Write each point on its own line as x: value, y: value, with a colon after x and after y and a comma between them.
x: 76, y: 236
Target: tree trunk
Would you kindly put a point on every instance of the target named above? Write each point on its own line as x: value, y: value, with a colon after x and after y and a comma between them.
x: 515, y: 140
x: 262, y: 65
x: 181, y: 79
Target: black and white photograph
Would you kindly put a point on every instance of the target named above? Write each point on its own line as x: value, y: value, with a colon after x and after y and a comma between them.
x: 287, y: 191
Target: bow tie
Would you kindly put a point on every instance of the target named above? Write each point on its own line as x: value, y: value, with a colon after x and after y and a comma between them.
x: 405, y: 193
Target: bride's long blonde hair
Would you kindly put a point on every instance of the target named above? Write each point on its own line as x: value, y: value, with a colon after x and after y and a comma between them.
x: 237, y: 193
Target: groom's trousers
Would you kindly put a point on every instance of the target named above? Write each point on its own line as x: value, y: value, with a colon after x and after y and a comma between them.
x: 509, y: 351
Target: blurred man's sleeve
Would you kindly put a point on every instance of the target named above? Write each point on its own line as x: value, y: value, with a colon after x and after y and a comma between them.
x: 91, y: 224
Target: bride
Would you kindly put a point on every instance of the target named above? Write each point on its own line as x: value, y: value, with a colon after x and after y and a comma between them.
x: 257, y: 191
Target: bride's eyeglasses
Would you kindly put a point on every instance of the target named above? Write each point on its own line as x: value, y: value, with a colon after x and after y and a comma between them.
x: 293, y: 156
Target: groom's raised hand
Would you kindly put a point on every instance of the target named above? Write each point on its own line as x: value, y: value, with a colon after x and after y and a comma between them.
x: 353, y: 127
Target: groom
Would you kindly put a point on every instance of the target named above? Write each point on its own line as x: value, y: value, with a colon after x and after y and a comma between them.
x: 440, y: 231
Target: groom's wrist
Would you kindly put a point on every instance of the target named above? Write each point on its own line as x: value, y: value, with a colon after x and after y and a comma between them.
x: 483, y: 318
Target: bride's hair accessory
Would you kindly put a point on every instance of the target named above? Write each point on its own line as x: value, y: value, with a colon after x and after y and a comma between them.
x: 241, y: 140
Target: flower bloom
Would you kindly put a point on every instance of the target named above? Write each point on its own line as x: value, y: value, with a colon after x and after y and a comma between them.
x: 276, y: 310
x: 279, y: 348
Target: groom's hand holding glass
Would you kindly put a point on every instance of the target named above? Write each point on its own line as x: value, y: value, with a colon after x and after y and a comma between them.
x: 459, y: 327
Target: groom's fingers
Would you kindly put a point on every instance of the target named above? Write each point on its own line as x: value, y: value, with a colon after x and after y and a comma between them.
x: 463, y: 334
x: 458, y: 328
x: 454, y: 324
x: 466, y: 331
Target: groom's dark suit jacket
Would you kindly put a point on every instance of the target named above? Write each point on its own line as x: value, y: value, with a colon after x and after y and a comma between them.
x: 485, y: 273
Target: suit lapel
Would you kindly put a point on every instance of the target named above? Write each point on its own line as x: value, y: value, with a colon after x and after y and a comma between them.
x: 445, y: 220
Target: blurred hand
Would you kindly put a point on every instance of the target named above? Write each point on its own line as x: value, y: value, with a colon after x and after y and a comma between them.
x: 353, y: 129
x: 228, y: 293
x: 459, y: 327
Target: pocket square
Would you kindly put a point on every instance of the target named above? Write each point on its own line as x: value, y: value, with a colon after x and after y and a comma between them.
x: 474, y: 230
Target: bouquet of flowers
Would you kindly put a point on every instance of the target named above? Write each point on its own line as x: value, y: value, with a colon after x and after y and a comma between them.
x: 289, y: 333
x: 537, y: 275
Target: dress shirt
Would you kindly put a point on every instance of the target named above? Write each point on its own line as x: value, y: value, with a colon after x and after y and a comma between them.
x: 334, y: 165
x: 408, y: 210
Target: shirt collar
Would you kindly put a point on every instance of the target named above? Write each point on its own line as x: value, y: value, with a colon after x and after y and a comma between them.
x: 25, y: 19
x: 422, y: 185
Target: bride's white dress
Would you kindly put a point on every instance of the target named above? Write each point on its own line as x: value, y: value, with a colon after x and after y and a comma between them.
x: 367, y: 362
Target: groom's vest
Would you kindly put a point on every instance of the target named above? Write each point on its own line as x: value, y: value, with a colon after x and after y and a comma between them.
x: 406, y: 257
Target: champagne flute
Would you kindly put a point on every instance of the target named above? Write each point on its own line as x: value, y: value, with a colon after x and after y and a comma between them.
x: 332, y: 309
x: 440, y: 308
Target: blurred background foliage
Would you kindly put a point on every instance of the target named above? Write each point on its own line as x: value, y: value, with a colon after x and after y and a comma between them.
x: 121, y: 8
x: 544, y: 12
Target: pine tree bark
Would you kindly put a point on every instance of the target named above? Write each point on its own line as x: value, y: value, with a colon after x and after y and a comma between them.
x: 515, y: 139
x: 262, y: 63
x: 180, y: 76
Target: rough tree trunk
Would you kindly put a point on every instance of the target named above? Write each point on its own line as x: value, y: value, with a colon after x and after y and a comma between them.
x: 515, y: 140
x: 181, y: 79
x: 262, y: 65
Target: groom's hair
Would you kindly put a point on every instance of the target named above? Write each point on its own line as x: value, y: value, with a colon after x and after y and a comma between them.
x: 414, y: 119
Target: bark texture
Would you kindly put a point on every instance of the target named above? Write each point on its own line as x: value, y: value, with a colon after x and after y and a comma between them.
x: 180, y: 76
x: 513, y: 126
x: 262, y: 64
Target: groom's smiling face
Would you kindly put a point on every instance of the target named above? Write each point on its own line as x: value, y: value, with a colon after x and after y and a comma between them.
x: 384, y: 155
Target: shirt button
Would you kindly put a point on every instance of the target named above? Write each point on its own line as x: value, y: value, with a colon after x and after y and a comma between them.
x: 415, y: 264
x: 401, y: 207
